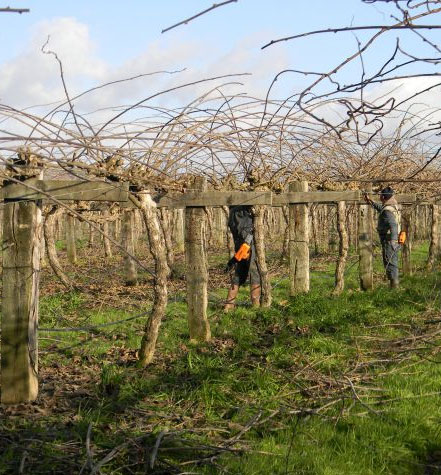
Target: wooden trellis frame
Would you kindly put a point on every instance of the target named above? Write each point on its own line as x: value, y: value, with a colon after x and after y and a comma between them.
x: 22, y: 228
x: 21, y: 262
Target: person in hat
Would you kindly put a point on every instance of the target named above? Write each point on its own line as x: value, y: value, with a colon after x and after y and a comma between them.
x: 388, y: 229
x: 243, y: 264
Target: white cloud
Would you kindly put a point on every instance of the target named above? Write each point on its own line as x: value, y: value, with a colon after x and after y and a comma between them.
x: 33, y: 77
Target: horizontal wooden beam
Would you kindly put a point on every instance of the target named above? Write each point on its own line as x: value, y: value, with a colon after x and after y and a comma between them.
x: 214, y: 198
x: 73, y: 190
x: 315, y: 197
x: 235, y: 198
x: 404, y: 198
x: 66, y: 190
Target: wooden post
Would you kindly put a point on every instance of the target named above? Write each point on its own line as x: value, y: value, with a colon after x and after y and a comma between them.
x: 71, y: 244
x: 285, y: 245
x: 434, y: 238
x: 42, y: 251
x: 325, y: 226
x: 342, y: 248
x: 259, y: 243
x: 91, y: 236
x: 106, y: 231
x: 130, y: 271
x: 165, y: 217
x: 419, y: 223
x: 407, y: 223
x: 366, y: 271
x: 218, y: 228
x: 331, y: 231
x: 178, y: 230
x: 299, y: 242
x: 229, y: 237
x: 21, y: 273
x: 197, y: 269
x: 138, y: 230
x: 49, y: 234
x: 1, y: 221
x: 117, y: 233
x: 315, y: 229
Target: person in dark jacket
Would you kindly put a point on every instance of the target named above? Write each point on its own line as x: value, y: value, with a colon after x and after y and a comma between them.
x: 388, y: 229
x: 240, y: 222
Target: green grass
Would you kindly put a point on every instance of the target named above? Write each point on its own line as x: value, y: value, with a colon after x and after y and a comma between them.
x: 317, y: 384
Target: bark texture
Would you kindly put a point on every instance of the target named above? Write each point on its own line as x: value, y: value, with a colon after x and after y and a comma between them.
x: 157, y: 249
x: 366, y: 270
x: 130, y: 270
x: 434, y: 238
x: 49, y: 235
x: 299, y: 242
x: 19, y: 323
x: 197, y: 269
x: 342, y: 248
x: 71, y: 241
x: 259, y: 240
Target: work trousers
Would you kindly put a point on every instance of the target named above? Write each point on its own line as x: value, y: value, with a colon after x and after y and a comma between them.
x: 390, y: 258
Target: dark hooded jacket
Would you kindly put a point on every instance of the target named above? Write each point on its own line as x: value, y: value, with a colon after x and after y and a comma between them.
x: 240, y: 222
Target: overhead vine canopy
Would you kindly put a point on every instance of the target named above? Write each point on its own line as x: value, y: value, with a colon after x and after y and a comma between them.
x: 368, y: 118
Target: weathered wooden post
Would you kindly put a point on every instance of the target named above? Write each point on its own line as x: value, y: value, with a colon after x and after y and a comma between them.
x: 42, y: 250
x: 130, y: 271
x: 117, y: 228
x: 353, y: 234
x: 178, y: 230
x: 1, y: 223
x: 165, y: 223
x: 407, y: 225
x: 299, y: 242
x: 91, y: 236
x: 342, y: 248
x: 285, y: 245
x: 325, y: 224
x: 434, y: 238
x: 138, y: 229
x: 197, y: 269
x: 259, y: 243
x: 71, y: 244
x: 21, y: 269
x: 420, y: 223
x: 366, y: 271
x: 331, y: 230
x: 49, y: 234
x: 228, y: 235
x: 106, y: 233
x: 22, y: 227
x: 314, y: 228
x: 218, y: 228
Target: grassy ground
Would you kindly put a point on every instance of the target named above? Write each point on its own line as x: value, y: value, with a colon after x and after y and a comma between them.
x: 318, y: 384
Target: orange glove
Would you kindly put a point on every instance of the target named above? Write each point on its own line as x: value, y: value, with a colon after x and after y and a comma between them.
x: 243, y: 252
x: 402, y: 237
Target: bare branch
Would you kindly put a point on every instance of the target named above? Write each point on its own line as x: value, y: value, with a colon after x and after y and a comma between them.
x: 14, y: 10
x: 184, y: 22
x: 354, y: 28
